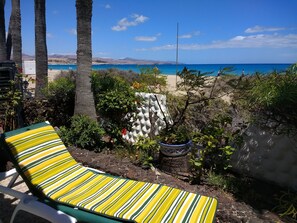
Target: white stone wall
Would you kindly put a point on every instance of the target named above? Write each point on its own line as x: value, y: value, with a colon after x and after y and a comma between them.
x: 151, y: 107
x: 269, y: 157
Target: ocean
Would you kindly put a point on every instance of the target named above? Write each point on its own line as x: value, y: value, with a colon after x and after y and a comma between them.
x: 170, y: 69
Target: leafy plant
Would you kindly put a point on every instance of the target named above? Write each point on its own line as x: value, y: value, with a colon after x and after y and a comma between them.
x: 273, y: 98
x: 227, y: 182
x: 83, y: 132
x: 176, y: 135
x: 57, y: 106
x: 213, y: 147
x: 287, y: 205
x: 36, y: 111
x: 145, y: 149
x: 150, y: 79
x: 127, y: 76
x: 11, y: 104
x: 116, y: 102
x: 61, y: 95
x: 198, y: 90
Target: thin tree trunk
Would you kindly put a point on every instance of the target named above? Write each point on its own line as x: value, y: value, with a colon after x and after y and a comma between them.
x: 84, y: 99
x: 41, y: 56
x: 2, y: 32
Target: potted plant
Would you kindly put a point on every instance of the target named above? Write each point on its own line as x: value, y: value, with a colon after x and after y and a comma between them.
x: 197, y: 89
x: 175, y: 141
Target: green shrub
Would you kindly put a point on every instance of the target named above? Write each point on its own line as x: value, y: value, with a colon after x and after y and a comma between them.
x: 11, y: 102
x: 151, y: 77
x: 37, y: 111
x: 61, y: 96
x: 126, y: 75
x: 213, y: 147
x: 145, y: 149
x: 115, y: 102
x: 83, y: 133
x: 176, y: 135
x: 57, y: 106
x: 271, y: 99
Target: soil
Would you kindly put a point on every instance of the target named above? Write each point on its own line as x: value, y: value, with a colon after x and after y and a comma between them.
x: 231, y: 208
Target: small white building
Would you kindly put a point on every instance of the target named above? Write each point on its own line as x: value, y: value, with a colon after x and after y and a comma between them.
x: 29, y: 67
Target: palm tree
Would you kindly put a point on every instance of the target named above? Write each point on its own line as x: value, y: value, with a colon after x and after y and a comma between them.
x: 15, y: 28
x: 2, y: 32
x: 14, y: 37
x: 84, y: 99
x: 40, y: 48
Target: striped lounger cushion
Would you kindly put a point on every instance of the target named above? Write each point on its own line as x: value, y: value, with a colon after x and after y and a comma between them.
x: 53, y: 173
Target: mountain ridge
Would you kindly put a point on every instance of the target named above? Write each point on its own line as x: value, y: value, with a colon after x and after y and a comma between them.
x: 71, y: 59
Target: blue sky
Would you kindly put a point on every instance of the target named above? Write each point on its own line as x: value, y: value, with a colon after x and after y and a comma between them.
x: 210, y: 31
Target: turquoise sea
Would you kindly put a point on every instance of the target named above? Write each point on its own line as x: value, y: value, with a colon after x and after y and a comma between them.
x: 170, y: 69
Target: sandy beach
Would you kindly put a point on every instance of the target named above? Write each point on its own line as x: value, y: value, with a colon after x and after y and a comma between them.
x: 172, y: 80
x: 52, y: 74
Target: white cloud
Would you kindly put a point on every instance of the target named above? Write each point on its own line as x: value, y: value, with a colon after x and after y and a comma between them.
x: 101, y: 53
x: 249, y: 41
x: 107, y: 6
x: 165, y: 47
x: 185, y: 36
x: 124, y: 23
x: 257, y: 29
x: 189, y: 35
x: 146, y: 38
x: 49, y: 35
x: 72, y: 31
x: 139, y: 18
x: 238, y: 38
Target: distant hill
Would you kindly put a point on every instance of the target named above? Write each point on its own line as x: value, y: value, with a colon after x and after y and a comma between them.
x: 71, y: 59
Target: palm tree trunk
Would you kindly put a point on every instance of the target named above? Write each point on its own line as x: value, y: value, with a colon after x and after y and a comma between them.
x: 9, y: 41
x: 84, y: 99
x: 16, y: 32
x: 2, y: 32
x: 41, y: 57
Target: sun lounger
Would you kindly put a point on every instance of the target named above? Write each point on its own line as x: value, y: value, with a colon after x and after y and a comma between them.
x: 57, y: 180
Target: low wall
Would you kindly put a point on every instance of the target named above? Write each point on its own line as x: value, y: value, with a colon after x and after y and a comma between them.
x: 268, y: 157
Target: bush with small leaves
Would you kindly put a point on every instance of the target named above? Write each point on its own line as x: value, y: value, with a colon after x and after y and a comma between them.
x: 115, y: 101
x: 84, y: 133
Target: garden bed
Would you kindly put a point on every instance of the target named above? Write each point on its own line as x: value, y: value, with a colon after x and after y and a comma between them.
x: 231, y: 207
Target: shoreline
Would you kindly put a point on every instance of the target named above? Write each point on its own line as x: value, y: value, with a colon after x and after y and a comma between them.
x: 171, y: 82
x: 52, y: 74
x: 171, y: 69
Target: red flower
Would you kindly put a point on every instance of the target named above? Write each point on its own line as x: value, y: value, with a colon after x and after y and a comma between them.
x: 124, y: 131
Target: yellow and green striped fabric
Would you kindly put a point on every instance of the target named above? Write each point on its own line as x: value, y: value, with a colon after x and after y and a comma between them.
x: 49, y: 167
